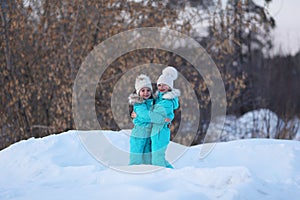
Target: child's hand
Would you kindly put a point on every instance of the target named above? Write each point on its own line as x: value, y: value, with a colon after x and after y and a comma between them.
x: 167, y: 120
x: 133, y: 115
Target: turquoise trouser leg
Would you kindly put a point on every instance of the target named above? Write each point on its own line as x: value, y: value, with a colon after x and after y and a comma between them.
x: 147, y: 152
x: 159, y: 143
x: 158, y: 158
x: 140, y: 151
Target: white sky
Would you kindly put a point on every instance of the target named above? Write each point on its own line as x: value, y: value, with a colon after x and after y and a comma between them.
x: 287, y: 32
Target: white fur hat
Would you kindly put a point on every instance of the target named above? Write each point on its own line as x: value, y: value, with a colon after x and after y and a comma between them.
x: 142, y: 81
x: 169, y: 74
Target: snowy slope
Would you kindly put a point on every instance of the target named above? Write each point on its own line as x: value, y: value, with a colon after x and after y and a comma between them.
x: 59, y: 167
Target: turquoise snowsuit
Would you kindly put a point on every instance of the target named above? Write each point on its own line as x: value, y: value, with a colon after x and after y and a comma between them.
x: 165, y: 104
x: 140, y: 142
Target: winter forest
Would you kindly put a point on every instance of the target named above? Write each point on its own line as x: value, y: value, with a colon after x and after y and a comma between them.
x: 43, y: 44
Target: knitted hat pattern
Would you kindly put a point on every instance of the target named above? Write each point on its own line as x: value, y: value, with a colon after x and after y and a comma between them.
x: 142, y: 81
x: 169, y: 75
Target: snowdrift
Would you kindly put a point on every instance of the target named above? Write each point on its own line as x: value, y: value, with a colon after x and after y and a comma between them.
x: 60, y: 167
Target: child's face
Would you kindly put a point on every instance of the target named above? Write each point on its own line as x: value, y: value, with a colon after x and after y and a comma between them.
x: 163, y: 87
x: 145, y: 93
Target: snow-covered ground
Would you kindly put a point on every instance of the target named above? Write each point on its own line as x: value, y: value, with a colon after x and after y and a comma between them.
x: 60, y: 167
x: 261, y: 123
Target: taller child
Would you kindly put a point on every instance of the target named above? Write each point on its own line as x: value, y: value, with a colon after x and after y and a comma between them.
x: 165, y: 103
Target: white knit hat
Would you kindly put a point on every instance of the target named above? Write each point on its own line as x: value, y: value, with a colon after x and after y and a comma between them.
x: 169, y: 74
x: 142, y: 81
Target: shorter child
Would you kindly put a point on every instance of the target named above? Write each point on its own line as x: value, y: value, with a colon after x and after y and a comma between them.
x: 142, y: 101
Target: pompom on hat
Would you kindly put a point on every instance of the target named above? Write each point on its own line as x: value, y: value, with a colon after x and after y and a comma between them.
x: 169, y: 74
x: 142, y: 81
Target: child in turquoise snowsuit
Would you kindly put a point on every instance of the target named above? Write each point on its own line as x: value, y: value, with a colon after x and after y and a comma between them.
x: 165, y: 104
x: 140, y: 142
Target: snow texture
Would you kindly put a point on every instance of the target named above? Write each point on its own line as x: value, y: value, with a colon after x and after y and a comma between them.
x: 59, y: 167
